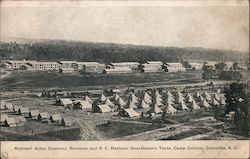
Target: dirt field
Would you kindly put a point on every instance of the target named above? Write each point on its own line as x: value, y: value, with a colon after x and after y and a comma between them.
x: 108, y: 126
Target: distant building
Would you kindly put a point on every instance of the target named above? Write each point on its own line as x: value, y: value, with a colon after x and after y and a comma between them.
x: 17, y: 64
x: 196, y: 65
x: 174, y: 67
x: 66, y: 64
x: 229, y: 65
x: 66, y: 70
x: 211, y: 63
x: 118, y: 70
x: 152, y: 66
x: 91, y: 67
x: 6, y: 65
x: 41, y: 66
x: 131, y: 65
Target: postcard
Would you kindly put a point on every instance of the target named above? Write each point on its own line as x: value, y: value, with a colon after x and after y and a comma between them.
x: 124, y: 79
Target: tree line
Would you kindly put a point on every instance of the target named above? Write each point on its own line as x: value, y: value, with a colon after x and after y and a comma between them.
x: 55, y: 50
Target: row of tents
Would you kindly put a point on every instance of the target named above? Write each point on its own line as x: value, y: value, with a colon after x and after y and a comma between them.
x: 147, y: 103
x: 25, y: 112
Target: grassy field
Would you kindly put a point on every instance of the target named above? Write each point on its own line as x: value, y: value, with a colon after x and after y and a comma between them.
x: 38, y: 80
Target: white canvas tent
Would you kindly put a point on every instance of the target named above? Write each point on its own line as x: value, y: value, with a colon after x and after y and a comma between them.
x: 158, y: 98
x: 83, y: 104
x: 147, y: 95
x: 182, y: 106
x: 56, y: 118
x: 216, y: 96
x: 207, y: 96
x: 120, y: 102
x: 9, y: 106
x: 2, y: 103
x: 170, y: 97
x: 133, y: 97
x: 103, y: 108
x: 190, y: 99
x: 3, y: 117
x: 34, y: 113
x: 170, y: 109
x: 157, y: 102
x: 215, y: 102
x: 65, y: 102
x: 130, y: 105
x: 157, y: 94
x: 109, y: 103
x: 144, y: 105
x: 205, y: 104
x: 200, y: 98
x: 194, y: 105
x: 179, y: 94
x: 155, y: 109
x: 130, y: 112
x: 87, y: 98
x: 170, y: 94
x: 169, y: 101
x: 102, y: 98
x: 116, y: 97
x: 197, y: 95
x: 179, y: 99
x: 222, y: 101
x: 147, y: 98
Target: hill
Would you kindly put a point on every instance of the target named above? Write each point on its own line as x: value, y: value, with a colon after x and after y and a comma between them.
x: 55, y: 50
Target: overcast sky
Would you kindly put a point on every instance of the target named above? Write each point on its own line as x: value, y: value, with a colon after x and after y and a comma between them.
x: 222, y: 27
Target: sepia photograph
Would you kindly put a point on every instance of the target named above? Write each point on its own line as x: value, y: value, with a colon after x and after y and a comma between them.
x: 124, y: 71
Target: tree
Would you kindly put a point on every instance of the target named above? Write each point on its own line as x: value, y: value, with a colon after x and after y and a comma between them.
x: 235, y: 66
x: 237, y: 100
x: 208, y: 72
x: 220, y: 66
x: 230, y: 75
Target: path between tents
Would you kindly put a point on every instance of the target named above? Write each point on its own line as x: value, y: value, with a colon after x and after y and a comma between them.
x: 90, y: 132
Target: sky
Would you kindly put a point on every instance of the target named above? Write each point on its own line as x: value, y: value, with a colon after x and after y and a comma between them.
x: 209, y: 26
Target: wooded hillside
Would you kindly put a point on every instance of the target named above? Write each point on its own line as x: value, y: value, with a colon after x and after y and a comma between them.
x: 55, y: 50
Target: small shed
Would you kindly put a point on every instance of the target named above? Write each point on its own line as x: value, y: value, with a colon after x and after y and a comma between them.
x: 66, y: 121
x: 9, y: 106
x: 130, y: 112
x: 20, y: 120
x: 10, y: 122
x: 34, y: 114
x: 64, y: 102
x: 82, y: 104
x: 56, y: 118
x: 3, y: 117
x: 24, y: 111
x: 101, y: 108
x: 16, y: 109
x: 2, y: 103
x: 44, y: 117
